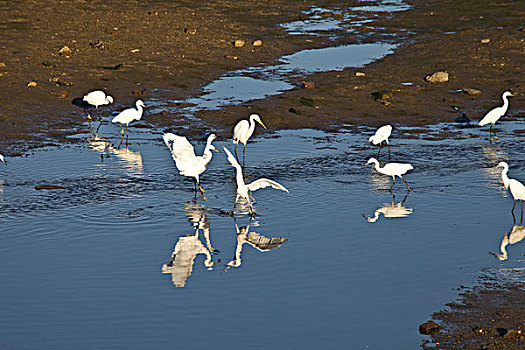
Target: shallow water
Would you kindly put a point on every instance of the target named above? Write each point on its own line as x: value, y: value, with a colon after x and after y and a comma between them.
x: 83, y: 267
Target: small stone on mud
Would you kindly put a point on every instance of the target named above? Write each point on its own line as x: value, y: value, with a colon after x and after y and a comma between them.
x: 32, y: 84
x: 98, y: 45
x: 2, y: 65
x: 294, y: 111
x: 257, y: 43
x: 485, y: 41
x: 428, y: 327
x: 65, y: 52
x: 59, y: 94
x: 470, y: 91
x: 308, y: 84
x: 238, y: 43
x: 231, y: 57
x: 437, y: 77
x: 381, y: 95
x: 190, y: 30
x: 359, y: 74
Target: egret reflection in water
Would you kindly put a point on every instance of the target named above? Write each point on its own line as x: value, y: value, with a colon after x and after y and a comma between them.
x: 493, y: 154
x: 256, y: 240
x: 392, y: 210
x: 130, y: 161
x: 189, y: 246
x: 515, y: 235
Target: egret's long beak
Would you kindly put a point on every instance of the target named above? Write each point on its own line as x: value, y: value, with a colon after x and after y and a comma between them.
x: 260, y: 122
x: 215, y: 149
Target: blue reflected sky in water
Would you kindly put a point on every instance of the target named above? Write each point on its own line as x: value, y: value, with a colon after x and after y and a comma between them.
x: 82, y: 266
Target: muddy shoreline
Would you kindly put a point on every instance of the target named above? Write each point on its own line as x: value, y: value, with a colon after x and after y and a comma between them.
x: 166, y: 50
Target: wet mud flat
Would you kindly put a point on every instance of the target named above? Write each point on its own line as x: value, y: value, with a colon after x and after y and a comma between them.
x: 486, y: 316
x: 169, y: 50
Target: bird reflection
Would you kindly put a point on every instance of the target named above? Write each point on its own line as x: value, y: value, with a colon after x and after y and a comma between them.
x: 493, y: 154
x: 189, y: 246
x: 256, y: 240
x: 131, y: 161
x: 99, y: 145
x: 516, y: 235
x: 392, y: 210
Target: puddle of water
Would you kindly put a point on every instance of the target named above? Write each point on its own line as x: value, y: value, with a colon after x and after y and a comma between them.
x: 260, y: 82
x: 100, y: 253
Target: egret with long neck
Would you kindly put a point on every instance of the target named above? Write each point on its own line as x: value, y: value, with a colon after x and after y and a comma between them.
x: 493, y: 116
x: 243, y: 131
x: 516, y: 188
x: 392, y: 169
x: 185, y: 159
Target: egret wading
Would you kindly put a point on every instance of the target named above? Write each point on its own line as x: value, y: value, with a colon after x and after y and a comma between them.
x: 185, y: 159
x: 2, y: 159
x: 243, y: 131
x: 493, y: 116
x: 129, y: 115
x: 97, y: 98
x: 516, y: 188
x: 382, y: 134
x: 392, y: 169
x: 243, y: 190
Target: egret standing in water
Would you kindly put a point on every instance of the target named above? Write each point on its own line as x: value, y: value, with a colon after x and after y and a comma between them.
x: 516, y: 188
x: 382, y: 134
x: 2, y: 159
x: 185, y: 159
x: 392, y: 169
x: 97, y: 98
x: 244, y: 189
x: 493, y: 116
x: 129, y: 115
x: 243, y: 131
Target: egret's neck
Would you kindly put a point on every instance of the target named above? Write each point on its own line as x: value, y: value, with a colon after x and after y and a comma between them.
x: 252, y: 125
x: 208, y: 262
x: 207, y: 151
x: 505, y: 102
x: 376, y: 216
x: 504, y: 177
x: 377, y: 165
x: 239, y: 177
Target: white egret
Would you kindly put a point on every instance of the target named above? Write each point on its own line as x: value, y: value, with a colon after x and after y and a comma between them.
x: 392, y: 169
x: 382, y: 134
x: 516, y: 235
x: 516, y: 188
x: 97, y: 98
x: 496, y: 113
x: 244, y: 130
x: 185, y: 159
x: 2, y: 159
x: 244, y: 189
x: 129, y: 115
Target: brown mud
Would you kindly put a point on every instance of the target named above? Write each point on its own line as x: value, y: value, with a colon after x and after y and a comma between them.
x: 489, y: 316
x: 170, y: 50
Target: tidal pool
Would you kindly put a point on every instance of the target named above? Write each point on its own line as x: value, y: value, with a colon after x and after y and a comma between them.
x: 92, y: 266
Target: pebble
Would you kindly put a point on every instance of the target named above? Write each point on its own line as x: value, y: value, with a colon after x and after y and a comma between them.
x: 190, y: 30
x: 428, y: 327
x: 32, y: 84
x: 359, y: 74
x: 381, y: 95
x: 308, y: 84
x: 239, y: 43
x: 231, y: 57
x: 437, y: 77
x: 485, y: 41
x: 2, y: 65
x: 470, y: 91
x: 65, y: 52
x: 257, y: 43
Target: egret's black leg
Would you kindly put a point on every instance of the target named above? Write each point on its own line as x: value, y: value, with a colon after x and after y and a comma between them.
x: 243, y: 156
x: 393, y: 183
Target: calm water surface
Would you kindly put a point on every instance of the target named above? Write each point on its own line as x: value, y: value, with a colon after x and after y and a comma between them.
x: 91, y: 266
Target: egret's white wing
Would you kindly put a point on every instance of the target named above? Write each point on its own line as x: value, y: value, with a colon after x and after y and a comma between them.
x: 397, y: 168
x: 125, y: 116
x: 95, y: 97
x: 240, y: 130
x: 231, y: 158
x: 263, y: 243
x: 262, y: 183
x: 491, y: 116
x: 181, y: 150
